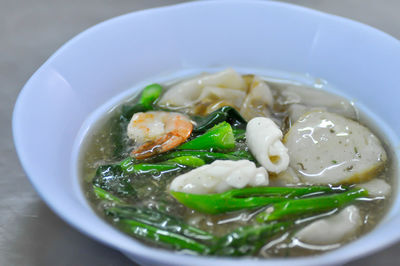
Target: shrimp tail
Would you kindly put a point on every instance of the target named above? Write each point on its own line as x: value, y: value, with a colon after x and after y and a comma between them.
x: 160, y: 145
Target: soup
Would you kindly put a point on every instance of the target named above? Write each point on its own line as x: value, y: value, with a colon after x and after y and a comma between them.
x: 225, y: 164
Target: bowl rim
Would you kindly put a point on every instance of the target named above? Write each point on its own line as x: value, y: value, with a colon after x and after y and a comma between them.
x: 166, y: 255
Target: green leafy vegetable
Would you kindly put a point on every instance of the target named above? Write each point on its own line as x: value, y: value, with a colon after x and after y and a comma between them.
x: 105, y: 195
x: 219, y: 138
x: 142, y: 168
x: 160, y: 236
x: 158, y: 219
x: 118, y: 136
x: 206, y: 156
x: 129, y: 110
x: 159, y: 228
x: 245, y: 198
x: 149, y: 96
x: 240, y: 134
x: 247, y: 240
x: 226, y: 113
x: 191, y: 161
x: 243, y: 155
x: 130, y: 165
x: 308, y: 206
x: 112, y: 179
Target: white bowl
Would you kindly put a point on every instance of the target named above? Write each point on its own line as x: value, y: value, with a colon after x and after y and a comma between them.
x: 118, y: 56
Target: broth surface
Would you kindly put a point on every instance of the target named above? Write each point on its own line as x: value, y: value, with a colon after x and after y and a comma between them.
x: 152, y: 188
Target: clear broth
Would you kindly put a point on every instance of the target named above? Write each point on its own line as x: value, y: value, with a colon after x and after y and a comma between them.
x: 98, y: 150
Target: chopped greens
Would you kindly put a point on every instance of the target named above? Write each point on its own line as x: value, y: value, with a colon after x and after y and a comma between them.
x: 218, y: 138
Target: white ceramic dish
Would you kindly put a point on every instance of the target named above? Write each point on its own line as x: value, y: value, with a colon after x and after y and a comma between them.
x: 118, y: 56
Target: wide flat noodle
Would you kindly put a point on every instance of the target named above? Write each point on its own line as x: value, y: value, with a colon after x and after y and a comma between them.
x: 187, y: 93
x: 258, y: 100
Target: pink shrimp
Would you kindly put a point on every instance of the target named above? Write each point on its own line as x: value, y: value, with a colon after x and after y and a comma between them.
x: 157, y: 132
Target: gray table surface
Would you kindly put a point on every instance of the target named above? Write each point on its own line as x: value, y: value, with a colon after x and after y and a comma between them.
x: 30, y: 31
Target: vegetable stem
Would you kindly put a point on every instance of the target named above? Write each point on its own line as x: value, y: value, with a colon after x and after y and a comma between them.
x: 247, y: 240
x: 149, y: 96
x: 245, y: 198
x: 191, y: 161
x: 158, y: 219
x: 307, y: 206
x: 112, y: 179
x: 128, y: 165
x: 206, y: 156
x: 157, y: 235
x: 226, y: 113
x: 105, y: 195
x: 219, y: 137
x: 240, y: 134
x: 142, y: 168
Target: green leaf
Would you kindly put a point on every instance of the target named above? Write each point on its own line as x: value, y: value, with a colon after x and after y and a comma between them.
x: 191, y: 161
x: 102, y: 194
x: 245, y: 198
x: 226, y: 113
x: 218, y: 138
x: 308, y: 206
x: 247, y: 240
x: 160, y: 236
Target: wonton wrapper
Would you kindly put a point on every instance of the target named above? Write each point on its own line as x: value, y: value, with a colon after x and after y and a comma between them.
x: 304, y: 99
x: 187, y: 93
x: 204, y: 94
x: 213, y: 98
x: 376, y: 188
x: 257, y: 101
x: 333, y: 229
